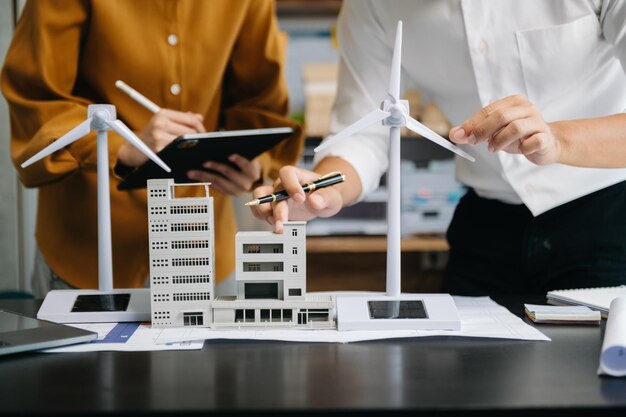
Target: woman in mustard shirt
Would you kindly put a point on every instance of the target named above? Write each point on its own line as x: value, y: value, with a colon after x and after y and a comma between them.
x: 207, y: 64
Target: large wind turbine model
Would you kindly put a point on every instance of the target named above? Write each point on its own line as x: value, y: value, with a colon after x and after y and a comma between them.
x: 396, y: 310
x: 105, y: 304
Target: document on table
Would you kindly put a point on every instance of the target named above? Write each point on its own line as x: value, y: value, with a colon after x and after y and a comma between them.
x: 562, y: 314
x: 480, y: 317
x: 127, y: 337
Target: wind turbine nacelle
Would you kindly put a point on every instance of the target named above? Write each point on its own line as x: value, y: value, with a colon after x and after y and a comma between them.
x: 397, y: 111
x: 100, y: 112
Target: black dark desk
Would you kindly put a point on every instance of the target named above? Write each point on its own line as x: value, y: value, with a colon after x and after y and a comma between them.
x: 418, y: 376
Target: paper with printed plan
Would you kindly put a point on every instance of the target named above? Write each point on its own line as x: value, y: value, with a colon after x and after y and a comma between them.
x: 480, y: 317
x: 127, y: 337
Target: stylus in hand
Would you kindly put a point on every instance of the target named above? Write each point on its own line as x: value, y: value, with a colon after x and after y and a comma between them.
x: 137, y: 96
x: 325, y: 181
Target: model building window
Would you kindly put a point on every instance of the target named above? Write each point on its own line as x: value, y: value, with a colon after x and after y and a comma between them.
x: 242, y: 316
x: 264, y: 290
x: 318, y: 315
x: 252, y: 248
x: 276, y: 315
x: 239, y: 315
x: 295, y: 292
x: 262, y: 266
x: 263, y: 248
x: 287, y: 315
x: 193, y: 319
x: 294, y: 251
x: 253, y: 267
x: 294, y: 268
x: 265, y: 314
x: 294, y: 232
x: 302, y: 317
x: 249, y: 315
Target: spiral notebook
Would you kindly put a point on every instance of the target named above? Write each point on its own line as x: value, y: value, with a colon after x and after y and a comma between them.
x: 594, y: 298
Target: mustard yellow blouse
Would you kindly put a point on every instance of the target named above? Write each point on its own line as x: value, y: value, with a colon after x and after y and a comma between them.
x: 220, y: 58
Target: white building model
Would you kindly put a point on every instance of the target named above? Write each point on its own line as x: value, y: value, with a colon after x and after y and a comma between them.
x: 270, y: 272
x: 181, y: 238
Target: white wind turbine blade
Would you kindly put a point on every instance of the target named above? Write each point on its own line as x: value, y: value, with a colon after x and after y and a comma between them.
x: 422, y: 130
x: 71, y: 136
x: 396, y: 66
x: 128, y: 134
x: 371, y: 118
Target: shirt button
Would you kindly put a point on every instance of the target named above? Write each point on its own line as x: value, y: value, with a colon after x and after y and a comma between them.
x: 482, y: 47
x: 172, y: 39
x: 175, y: 89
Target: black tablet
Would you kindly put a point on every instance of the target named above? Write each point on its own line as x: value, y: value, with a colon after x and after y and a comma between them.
x: 191, y: 151
x: 19, y: 333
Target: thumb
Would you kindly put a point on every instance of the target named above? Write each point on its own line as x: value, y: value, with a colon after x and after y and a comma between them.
x: 325, y: 202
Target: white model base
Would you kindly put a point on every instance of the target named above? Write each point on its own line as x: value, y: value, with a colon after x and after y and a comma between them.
x: 93, y: 306
x: 438, y: 313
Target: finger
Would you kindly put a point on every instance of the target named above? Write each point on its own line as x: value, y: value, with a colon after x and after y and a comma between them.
x: 291, y: 179
x: 515, y: 131
x: 219, y: 183
x: 177, y: 129
x: 226, y: 187
x: 541, y: 148
x: 160, y: 139
x: 191, y: 120
x: 236, y: 177
x: 262, y: 211
x: 458, y: 135
x: 464, y: 133
x: 500, y: 120
x: 263, y: 190
x: 534, y: 143
x: 325, y: 202
x: 281, y: 215
x: 198, y: 115
x: 251, y: 169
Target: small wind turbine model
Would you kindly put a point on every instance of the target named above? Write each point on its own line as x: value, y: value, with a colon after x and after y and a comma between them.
x: 396, y: 310
x: 105, y: 304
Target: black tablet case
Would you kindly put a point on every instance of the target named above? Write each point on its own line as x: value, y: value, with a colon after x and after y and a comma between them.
x: 191, y: 151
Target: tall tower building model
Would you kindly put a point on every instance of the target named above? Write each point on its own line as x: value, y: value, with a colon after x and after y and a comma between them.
x: 181, y: 238
x: 270, y: 270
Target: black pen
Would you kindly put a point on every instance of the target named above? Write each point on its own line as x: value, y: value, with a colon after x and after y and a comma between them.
x: 325, y: 181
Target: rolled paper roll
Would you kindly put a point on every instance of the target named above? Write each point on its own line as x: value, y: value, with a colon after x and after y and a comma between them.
x: 613, y: 354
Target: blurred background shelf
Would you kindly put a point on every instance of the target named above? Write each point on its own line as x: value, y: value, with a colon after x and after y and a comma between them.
x: 373, y: 244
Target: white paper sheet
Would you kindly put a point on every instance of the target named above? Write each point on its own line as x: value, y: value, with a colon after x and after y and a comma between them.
x: 480, y: 317
x: 613, y: 354
x: 141, y: 337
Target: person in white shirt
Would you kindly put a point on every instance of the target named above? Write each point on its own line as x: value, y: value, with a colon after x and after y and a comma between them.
x: 507, y: 73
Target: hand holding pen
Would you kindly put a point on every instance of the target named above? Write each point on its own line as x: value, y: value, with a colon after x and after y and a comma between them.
x: 306, y: 199
x: 164, y: 126
x: 323, y: 181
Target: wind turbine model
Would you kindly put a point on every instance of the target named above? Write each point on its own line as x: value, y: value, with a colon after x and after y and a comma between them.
x: 396, y: 310
x: 105, y: 304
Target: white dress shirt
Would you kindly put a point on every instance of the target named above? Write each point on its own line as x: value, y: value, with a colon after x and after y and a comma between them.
x: 568, y: 57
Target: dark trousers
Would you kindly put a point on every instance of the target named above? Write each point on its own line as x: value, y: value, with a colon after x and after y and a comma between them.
x: 498, y: 248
